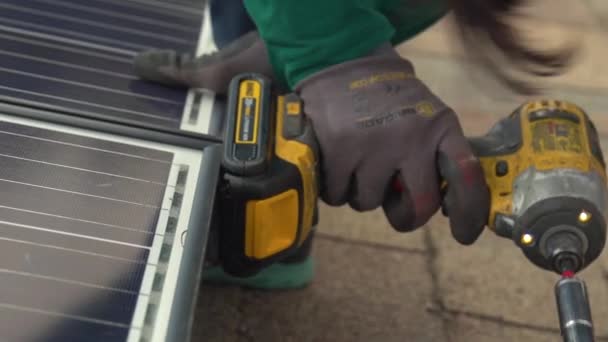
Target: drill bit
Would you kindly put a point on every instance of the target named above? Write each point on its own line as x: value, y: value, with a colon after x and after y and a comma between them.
x: 575, y: 320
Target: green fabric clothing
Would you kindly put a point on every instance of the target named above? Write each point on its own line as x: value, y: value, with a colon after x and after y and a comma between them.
x: 305, y: 36
x: 275, y: 277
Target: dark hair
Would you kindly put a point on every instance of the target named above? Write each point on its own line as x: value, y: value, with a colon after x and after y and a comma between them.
x: 492, y: 39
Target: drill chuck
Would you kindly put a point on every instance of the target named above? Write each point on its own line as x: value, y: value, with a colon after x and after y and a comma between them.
x: 574, y: 313
x: 567, y: 262
x: 565, y: 247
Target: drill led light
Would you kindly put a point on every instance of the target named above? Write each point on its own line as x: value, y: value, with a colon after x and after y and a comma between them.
x: 527, y: 239
x: 584, y: 217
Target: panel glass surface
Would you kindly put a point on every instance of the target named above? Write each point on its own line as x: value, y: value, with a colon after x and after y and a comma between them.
x: 76, y: 56
x: 77, y: 220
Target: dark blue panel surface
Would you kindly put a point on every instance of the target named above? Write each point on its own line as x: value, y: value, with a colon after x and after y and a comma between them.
x: 63, y: 52
x: 80, y: 185
x: 72, y: 91
x: 66, y: 298
x: 76, y: 57
x: 48, y: 237
x: 72, y: 205
x: 74, y: 266
x: 75, y: 232
x: 76, y: 226
x: 63, y: 104
x: 189, y: 16
x: 93, y: 159
x: 18, y: 324
x: 91, y: 76
x: 97, y: 144
x: 94, y: 32
x: 100, y: 17
x: 80, y: 181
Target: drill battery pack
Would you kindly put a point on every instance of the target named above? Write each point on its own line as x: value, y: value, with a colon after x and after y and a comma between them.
x: 268, y: 199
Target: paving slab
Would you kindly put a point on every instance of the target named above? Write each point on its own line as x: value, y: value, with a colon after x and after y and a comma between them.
x: 464, y: 329
x: 370, y: 228
x: 587, y: 71
x: 604, y: 145
x: 597, y: 7
x: 217, y: 315
x: 480, y: 103
x: 561, y: 11
x: 476, y: 122
x: 359, y: 294
x: 493, y: 278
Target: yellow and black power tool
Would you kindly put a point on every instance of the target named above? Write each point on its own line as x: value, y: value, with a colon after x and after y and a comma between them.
x: 270, y: 181
x: 547, y: 179
x: 543, y: 165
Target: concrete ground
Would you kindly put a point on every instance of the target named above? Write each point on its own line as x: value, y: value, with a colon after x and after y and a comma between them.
x: 373, y: 284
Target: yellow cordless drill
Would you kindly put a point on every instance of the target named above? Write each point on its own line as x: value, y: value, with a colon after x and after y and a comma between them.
x: 547, y: 179
x: 543, y: 165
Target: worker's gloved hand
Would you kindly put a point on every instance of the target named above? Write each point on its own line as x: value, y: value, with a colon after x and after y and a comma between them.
x: 211, y: 71
x: 374, y: 119
x: 377, y: 123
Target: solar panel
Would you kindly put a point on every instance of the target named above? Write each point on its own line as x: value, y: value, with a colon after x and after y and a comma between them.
x: 106, y: 181
x: 74, y: 56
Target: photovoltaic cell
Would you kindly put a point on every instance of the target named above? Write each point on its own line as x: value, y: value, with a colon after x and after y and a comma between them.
x: 67, y: 298
x: 55, y: 328
x: 84, y: 18
x: 76, y: 226
x: 37, y: 48
x: 24, y: 65
x: 90, y: 208
x: 31, y: 88
x: 51, y: 262
x: 54, y: 238
x: 80, y: 181
x: 51, y: 17
x: 162, y: 13
x: 93, y: 144
x: 84, y: 158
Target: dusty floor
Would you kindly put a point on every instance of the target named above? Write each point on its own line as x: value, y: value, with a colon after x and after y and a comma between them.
x: 373, y: 284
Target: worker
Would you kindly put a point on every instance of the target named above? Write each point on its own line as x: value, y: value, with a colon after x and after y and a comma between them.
x: 229, y: 21
x: 381, y: 131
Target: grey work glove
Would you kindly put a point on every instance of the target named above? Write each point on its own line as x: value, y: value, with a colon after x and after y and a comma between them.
x: 211, y: 71
x: 387, y: 141
x: 379, y: 129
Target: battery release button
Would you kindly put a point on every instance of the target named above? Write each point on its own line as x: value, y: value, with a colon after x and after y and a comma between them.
x: 293, y: 117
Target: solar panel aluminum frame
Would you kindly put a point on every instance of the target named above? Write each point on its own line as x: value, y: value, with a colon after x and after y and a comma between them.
x: 174, y: 316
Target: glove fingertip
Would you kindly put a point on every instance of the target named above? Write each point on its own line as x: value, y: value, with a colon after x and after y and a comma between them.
x: 152, y: 59
x: 332, y: 198
x: 332, y: 202
x: 399, y: 211
x: 160, y: 66
x: 470, y: 223
x: 469, y: 234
